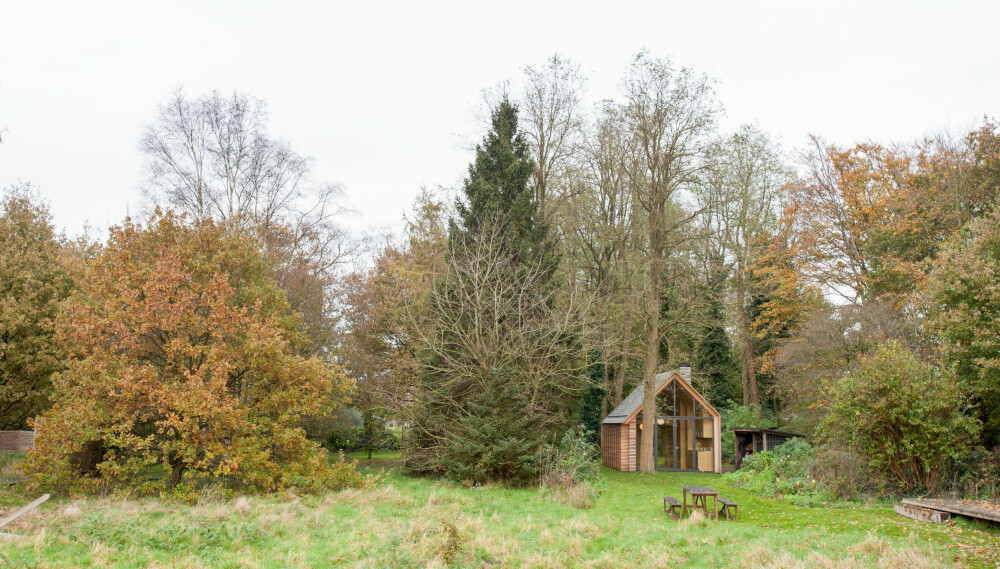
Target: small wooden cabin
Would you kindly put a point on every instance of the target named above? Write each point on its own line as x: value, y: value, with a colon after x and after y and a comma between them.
x: 686, y: 434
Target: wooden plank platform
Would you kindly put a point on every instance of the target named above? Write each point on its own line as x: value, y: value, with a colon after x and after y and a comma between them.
x: 981, y: 509
x: 922, y: 514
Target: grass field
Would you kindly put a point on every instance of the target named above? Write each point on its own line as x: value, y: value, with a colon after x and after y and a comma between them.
x: 407, y: 522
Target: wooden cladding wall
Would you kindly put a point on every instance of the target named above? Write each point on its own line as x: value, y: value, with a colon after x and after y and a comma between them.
x: 17, y: 441
x: 618, y: 446
x: 611, y: 454
x: 630, y: 446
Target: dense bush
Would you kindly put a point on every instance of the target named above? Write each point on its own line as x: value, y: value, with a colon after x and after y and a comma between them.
x: 846, y: 475
x: 976, y: 476
x: 571, y: 469
x: 904, y: 417
x: 182, y: 364
x: 807, y: 475
x: 784, y: 473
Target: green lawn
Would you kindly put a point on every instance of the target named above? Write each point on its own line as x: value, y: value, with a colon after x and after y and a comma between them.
x: 407, y: 522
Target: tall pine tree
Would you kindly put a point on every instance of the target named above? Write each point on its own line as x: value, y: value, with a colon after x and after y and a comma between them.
x: 713, y: 356
x: 502, y: 372
x: 498, y: 191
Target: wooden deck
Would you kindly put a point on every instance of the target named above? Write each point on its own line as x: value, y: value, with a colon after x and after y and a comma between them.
x: 981, y: 509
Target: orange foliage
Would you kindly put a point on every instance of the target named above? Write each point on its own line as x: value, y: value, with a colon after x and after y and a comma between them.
x: 847, y: 197
x: 786, y: 295
x: 180, y: 356
x: 871, y: 219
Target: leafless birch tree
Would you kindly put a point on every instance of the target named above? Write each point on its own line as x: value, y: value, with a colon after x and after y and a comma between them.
x: 212, y: 157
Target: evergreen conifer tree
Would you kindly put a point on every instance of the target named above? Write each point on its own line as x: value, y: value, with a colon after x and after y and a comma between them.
x: 713, y: 356
x: 714, y: 360
x: 591, y: 406
x: 498, y: 191
x: 498, y: 441
x: 502, y: 373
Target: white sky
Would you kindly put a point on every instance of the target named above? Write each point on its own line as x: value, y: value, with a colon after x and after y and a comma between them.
x: 384, y: 95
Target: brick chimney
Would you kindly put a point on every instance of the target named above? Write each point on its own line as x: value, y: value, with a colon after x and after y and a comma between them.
x: 684, y: 370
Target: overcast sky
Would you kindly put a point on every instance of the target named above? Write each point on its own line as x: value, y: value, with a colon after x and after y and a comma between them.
x: 384, y: 95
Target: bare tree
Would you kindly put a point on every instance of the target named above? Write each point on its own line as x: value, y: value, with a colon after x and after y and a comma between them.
x: 669, y: 114
x: 553, y: 123
x: 742, y: 191
x: 212, y: 157
x: 602, y: 238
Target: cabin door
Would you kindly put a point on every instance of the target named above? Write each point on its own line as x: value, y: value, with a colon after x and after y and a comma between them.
x: 675, y: 440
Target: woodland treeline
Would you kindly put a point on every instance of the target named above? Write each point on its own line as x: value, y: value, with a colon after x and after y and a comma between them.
x: 845, y: 292
x: 800, y: 283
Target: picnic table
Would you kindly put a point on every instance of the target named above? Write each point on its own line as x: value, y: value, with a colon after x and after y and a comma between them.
x: 699, y: 495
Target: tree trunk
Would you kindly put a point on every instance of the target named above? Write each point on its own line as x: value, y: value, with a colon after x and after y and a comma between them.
x: 748, y: 374
x: 604, y: 386
x: 647, y: 458
x: 623, y: 365
x: 177, y: 468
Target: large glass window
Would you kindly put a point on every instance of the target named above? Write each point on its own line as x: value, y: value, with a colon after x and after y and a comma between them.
x: 704, y: 447
x: 666, y: 444
x: 684, y: 431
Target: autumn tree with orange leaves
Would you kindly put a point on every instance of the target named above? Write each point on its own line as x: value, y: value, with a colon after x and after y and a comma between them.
x: 34, y: 280
x: 180, y: 355
x: 870, y: 219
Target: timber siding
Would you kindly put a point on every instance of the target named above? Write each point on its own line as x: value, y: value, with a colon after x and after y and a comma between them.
x: 632, y: 464
x: 618, y: 446
x: 611, y: 441
x: 17, y: 441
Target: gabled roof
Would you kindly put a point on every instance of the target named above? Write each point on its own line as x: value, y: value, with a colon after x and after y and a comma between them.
x: 633, y: 403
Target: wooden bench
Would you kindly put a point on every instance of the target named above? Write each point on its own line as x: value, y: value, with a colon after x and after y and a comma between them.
x: 674, y: 504
x: 730, y: 508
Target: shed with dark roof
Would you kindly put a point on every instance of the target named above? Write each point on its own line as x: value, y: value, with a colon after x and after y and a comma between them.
x: 686, y: 429
x: 749, y: 440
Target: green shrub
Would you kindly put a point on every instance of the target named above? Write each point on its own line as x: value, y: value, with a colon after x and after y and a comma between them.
x: 571, y: 469
x: 844, y: 475
x: 904, y: 417
x: 784, y: 473
x: 977, y: 476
